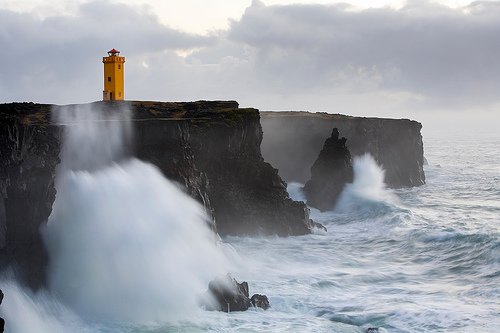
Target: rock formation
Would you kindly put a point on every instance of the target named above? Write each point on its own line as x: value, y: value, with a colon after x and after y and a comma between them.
x: 329, y: 173
x: 293, y: 140
x: 211, y: 148
x: 229, y: 295
x: 260, y: 301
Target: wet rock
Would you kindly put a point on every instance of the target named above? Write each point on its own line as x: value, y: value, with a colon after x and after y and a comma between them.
x: 329, y: 174
x: 260, y: 301
x: 372, y: 330
x: 1, y: 296
x: 229, y: 294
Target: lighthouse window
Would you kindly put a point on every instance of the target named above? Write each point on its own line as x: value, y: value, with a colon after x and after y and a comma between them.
x: 109, y: 78
x: 119, y: 66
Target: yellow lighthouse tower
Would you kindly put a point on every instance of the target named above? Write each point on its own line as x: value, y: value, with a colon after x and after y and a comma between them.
x: 113, y: 76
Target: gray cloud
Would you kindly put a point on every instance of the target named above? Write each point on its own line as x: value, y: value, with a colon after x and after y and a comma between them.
x: 447, y: 56
x: 317, y: 57
x: 57, y: 59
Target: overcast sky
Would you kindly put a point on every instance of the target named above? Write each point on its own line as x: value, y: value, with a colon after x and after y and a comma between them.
x: 426, y: 60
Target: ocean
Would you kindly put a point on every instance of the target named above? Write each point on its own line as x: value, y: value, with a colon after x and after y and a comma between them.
x: 423, y: 259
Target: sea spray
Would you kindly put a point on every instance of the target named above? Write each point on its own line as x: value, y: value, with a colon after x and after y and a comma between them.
x: 124, y: 243
x: 93, y: 136
x: 26, y: 311
x: 368, y: 192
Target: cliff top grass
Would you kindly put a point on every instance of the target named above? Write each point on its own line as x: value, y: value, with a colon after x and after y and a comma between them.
x: 226, y: 112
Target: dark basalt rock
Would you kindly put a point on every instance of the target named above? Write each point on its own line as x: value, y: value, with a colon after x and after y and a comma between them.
x: 229, y: 294
x: 260, y: 301
x: 213, y: 148
x: 29, y: 155
x: 329, y: 174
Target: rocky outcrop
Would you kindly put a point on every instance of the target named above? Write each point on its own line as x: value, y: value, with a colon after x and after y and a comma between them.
x: 329, y: 173
x: 29, y: 154
x: 293, y: 140
x: 211, y: 148
x: 260, y: 301
x: 229, y: 295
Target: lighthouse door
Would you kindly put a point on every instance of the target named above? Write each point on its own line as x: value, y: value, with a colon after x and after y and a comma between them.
x: 110, y: 96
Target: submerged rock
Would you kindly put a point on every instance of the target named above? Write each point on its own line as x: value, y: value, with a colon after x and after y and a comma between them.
x: 372, y: 330
x: 260, y: 301
x: 329, y: 174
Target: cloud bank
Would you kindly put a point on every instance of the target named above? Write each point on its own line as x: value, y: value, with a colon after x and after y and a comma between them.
x: 423, y: 56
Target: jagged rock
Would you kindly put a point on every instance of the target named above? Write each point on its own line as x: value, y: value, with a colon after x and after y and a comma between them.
x: 329, y: 174
x: 260, y: 301
x: 1, y: 296
x: 229, y: 294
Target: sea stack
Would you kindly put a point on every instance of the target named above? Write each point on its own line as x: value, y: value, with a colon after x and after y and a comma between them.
x: 329, y: 173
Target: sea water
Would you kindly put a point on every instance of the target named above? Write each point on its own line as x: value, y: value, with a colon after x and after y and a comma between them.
x: 423, y: 259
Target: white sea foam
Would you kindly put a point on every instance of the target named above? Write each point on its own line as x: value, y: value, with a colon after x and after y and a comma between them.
x: 125, y: 243
x: 93, y: 137
x: 368, y: 188
x: 26, y: 311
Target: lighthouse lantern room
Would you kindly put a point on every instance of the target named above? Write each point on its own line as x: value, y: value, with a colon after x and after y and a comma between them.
x: 113, y: 76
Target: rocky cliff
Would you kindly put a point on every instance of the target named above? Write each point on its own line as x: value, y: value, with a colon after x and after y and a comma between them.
x: 29, y: 155
x: 293, y: 140
x: 212, y: 148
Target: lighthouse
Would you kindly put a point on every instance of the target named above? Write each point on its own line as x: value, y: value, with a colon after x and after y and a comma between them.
x: 113, y: 76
